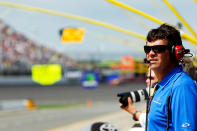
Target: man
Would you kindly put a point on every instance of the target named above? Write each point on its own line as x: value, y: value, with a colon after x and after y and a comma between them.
x: 174, y: 104
x: 140, y: 116
x: 188, y: 67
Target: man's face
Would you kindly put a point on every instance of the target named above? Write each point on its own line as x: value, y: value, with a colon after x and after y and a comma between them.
x: 158, y: 54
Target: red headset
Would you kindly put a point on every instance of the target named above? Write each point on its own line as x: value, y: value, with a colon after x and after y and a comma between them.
x: 178, y: 52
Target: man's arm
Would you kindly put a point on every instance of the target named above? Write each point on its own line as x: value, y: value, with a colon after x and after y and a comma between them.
x: 132, y: 109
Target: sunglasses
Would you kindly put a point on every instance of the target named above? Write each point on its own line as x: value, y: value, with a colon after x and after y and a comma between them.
x: 156, y: 48
x: 150, y: 77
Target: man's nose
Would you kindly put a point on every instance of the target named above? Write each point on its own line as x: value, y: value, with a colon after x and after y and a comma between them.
x: 151, y: 52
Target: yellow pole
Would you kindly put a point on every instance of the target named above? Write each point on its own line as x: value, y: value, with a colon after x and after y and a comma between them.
x: 137, y: 20
x: 162, y: 10
x: 79, y: 18
x: 184, y: 35
x: 130, y: 43
x: 120, y: 41
x: 117, y: 3
x: 189, y: 38
x: 180, y: 18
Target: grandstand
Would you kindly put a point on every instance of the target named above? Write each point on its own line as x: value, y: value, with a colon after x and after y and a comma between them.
x: 18, y: 53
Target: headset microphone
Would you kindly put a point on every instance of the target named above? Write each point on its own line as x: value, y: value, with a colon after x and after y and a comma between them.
x: 186, y: 51
x: 146, y: 61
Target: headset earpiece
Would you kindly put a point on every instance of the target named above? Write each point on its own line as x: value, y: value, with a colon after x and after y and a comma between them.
x: 177, y: 52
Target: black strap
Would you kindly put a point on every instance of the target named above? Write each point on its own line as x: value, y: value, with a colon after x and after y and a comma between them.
x: 168, y: 113
x: 134, y: 116
x: 147, y: 107
x: 149, y: 100
x: 168, y: 104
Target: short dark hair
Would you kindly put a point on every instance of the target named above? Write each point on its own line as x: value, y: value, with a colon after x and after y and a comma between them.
x: 165, y: 32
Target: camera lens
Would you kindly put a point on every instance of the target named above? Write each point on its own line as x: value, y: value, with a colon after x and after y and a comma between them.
x: 136, y: 96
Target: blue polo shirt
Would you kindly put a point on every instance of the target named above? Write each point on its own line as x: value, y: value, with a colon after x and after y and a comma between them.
x: 183, y: 103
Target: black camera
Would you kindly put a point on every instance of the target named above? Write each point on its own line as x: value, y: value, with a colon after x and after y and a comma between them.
x: 135, y: 96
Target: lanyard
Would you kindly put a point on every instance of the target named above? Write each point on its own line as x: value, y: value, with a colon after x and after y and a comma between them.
x: 153, y: 93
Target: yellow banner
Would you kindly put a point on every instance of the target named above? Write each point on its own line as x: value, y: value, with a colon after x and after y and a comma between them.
x: 46, y: 74
x: 72, y: 35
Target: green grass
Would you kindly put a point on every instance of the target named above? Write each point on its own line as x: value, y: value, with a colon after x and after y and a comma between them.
x: 42, y: 107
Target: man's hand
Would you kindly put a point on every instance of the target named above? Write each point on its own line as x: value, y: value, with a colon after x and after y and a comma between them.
x: 130, y: 108
x: 124, y: 98
x: 127, y: 104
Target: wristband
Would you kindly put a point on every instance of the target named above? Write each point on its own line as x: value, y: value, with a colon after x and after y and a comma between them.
x: 134, y: 116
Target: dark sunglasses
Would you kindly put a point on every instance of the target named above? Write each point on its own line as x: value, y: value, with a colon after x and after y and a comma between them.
x: 156, y: 48
x: 150, y: 77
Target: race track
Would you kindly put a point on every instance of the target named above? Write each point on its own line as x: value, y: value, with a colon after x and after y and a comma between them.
x: 103, y: 100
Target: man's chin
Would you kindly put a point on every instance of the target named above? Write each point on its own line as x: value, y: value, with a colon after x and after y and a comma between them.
x: 153, y: 66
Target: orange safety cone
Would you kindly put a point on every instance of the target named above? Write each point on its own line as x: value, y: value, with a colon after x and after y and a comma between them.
x: 88, y: 103
x: 31, y: 104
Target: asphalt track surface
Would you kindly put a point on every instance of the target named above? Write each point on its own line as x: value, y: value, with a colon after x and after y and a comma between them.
x: 103, y: 106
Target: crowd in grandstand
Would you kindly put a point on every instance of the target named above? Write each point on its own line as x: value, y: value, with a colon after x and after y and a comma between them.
x: 18, y: 53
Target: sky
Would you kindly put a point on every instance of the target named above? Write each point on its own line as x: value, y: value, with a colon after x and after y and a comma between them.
x: 99, y: 42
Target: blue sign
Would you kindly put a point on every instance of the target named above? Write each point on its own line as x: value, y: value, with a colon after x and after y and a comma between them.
x: 113, y: 79
x: 90, y: 80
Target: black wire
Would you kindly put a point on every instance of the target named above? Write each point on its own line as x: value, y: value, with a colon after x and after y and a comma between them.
x: 147, y: 103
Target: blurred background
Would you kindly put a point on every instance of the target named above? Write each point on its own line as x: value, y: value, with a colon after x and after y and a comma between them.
x: 63, y: 62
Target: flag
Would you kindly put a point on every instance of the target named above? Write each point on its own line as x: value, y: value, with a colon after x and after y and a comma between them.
x: 71, y: 35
